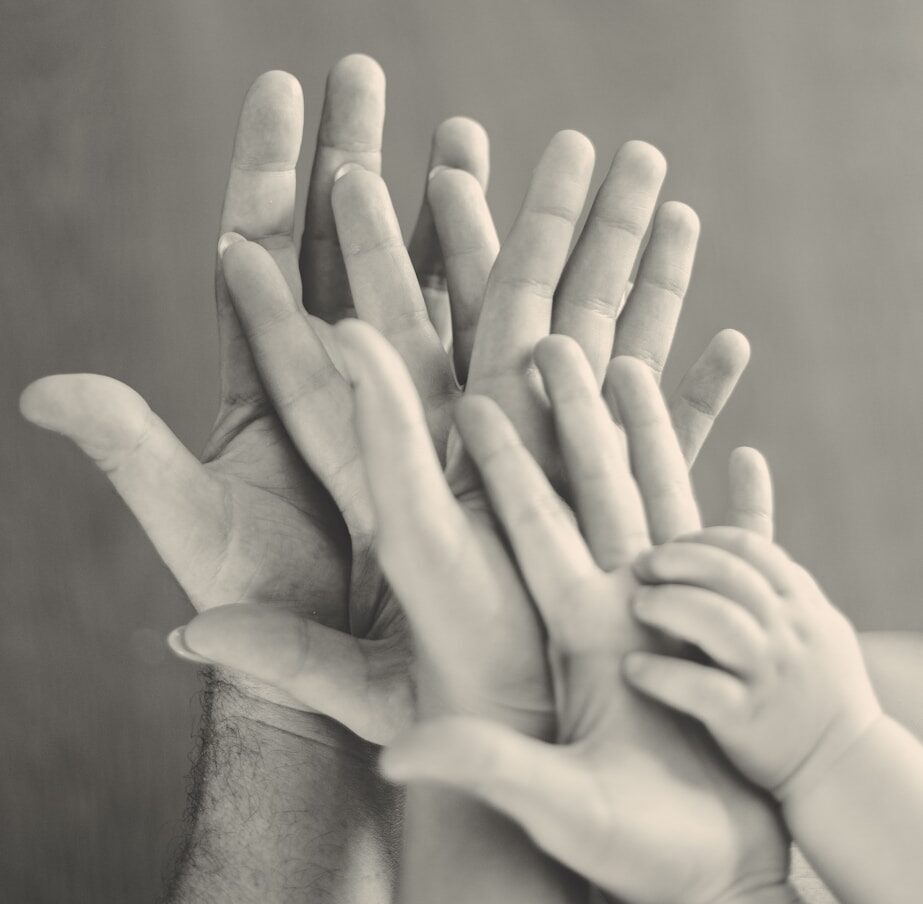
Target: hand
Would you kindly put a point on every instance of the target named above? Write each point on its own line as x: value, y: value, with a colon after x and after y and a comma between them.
x: 251, y: 523
x: 785, y: 691
x: 514, y: 311
x: 631, y: 797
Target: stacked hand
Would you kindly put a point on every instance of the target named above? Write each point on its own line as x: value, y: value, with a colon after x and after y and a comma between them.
x: 274, y: 535
x: 630, y: 796
x: 255, y: 522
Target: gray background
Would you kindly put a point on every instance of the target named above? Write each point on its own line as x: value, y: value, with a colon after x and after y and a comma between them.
x: 793, y: 128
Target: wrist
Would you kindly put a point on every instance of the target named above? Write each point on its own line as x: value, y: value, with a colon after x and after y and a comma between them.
x: 234, y: 705
x: 840, y: 744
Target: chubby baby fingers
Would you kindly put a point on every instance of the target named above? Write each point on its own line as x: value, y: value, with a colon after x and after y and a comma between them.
x: 708, y: 694
x: 722, y: 629
x: 711, y: 568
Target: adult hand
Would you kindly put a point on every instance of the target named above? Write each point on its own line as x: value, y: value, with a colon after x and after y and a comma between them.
x: 633, y: 798
x: 302, y: 374
x: 250, y: 522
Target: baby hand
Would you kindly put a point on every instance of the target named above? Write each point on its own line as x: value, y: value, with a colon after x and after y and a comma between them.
x: 785, y: 692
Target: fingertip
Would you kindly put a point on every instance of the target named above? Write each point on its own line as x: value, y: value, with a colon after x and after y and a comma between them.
x: 556, y: 348
x: 730, y: 350
x: 64, y: 402
x: 357, y: 70
x: 626, y: 372
x: 271, y: 122
x: 176, y: 641
x: 678, y: 221
x: 633, y: 665
x: 32, y: 401
x: 645, y: 162
x: 747, y: 457
x: 462, y: 143
x: 472, y: 411
x: 278, y: 81
x: 354, y: 105
x: 575, y: 149
x: 357, y: 192
x: 249, y: 270
x: 226, y: 240
x: 359, y: 343
x: 449, y: 185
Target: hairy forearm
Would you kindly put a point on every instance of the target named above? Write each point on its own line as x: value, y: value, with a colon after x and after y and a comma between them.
x: 285, y: 807
x: 860, y: 825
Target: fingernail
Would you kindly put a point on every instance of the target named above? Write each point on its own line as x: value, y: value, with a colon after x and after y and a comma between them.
x: 435, y: 171
x: 344, y: 169
x: 176, y: 641
x: 228, y: 239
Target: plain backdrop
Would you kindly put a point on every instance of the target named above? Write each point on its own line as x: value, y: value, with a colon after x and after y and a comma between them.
x: 793, y: 128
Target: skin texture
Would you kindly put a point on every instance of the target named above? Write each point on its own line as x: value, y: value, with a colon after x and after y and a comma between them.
x: 515, y: 304
x: 620, y: 841
x: 276, y: 519
x: 788, y: 698
x: 364, y: 679
x: 251, y: 522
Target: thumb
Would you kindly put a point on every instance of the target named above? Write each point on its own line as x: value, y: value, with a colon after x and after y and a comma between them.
x: 540, y: 786
x: 179, y: 505
x: 307, y: 665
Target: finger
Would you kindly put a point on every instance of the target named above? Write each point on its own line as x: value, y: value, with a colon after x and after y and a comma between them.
x: 386, y: 292
x: 596, y: 277
x: 518, y: 301
x: 469, y: 247
x: 259, y: 204
x: 771, y: 561
x: 313, y: 666
x: 656, y: 460
x: 606, y: 498
x: 548, y: 547
x: 705, y: 389
x: 459, y: 143
x: 708, y: 694
x: 538, y: 785
x: 646, y: 326
x: 306, y: 389
x: 716, y: 625
x: 350, y: 132
x: 175, y: 499
x: 750, y: 490
x: 419, y: 524
x: 709, y: 568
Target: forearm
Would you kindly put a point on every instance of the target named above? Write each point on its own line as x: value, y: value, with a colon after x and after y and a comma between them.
x: 457, y: 850
x: 285, y: 807
x: 860, y: 825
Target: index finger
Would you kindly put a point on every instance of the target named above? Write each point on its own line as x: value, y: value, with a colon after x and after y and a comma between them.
x: 259, y: 204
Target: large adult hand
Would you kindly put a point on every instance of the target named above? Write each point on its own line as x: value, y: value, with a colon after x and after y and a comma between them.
x: 251, y: 523
x: 306, y: 386
x: 633, y: 798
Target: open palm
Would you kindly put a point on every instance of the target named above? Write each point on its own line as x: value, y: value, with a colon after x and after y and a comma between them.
x: 253, y: 522
x: 637, y: 800
x: 510, y: 301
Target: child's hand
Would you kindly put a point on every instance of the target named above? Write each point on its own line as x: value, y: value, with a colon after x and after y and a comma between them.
x: 786, y: 692
x: 631, y: 797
